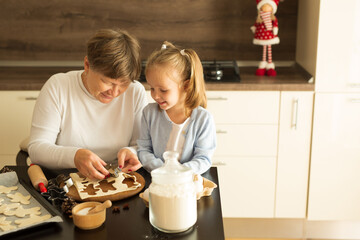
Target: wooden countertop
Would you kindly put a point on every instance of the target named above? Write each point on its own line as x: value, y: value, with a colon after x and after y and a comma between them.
x: 293, y: 78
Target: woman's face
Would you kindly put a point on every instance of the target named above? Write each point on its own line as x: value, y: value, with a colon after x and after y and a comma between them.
x: 164, y: 86
x: 103, y: 88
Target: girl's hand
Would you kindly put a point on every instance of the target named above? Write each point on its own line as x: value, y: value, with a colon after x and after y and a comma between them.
x: 128, y: 161
x: 90, y: 165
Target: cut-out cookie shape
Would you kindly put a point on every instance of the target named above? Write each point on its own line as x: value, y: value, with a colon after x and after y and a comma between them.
x: 106, y: 185
x: 4, y: 189
x: 18, y: 197
x: 89, y: 189
x: 6, y: 225
x: 102, y: 188
x: 6, y: 207
x: 31, y: 220
x: 22, y: 212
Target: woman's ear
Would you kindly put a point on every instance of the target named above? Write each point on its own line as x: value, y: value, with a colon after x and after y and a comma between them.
x: 86, y: 64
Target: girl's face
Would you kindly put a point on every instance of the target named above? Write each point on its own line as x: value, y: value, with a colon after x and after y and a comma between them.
x: 101, y: 87
x: 165, y: 87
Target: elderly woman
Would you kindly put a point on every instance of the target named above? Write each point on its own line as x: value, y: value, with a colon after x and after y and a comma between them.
x: 87, y: 118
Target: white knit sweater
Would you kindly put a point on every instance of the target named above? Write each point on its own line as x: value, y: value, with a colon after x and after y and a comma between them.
x: 67, y: 117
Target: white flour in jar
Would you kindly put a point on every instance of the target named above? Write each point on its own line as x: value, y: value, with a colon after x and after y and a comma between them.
x: 173, y: 209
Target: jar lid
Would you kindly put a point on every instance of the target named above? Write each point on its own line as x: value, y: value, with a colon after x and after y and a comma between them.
x: 172, y: 172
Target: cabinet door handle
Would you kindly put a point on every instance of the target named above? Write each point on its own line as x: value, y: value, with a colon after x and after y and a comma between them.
x: 294, y: 117
x: 354, y: 85
x: 355, y: 100
x: 218, y: 163
x: 221, y: 132
x: 217, y: 99
x: 30, y: 98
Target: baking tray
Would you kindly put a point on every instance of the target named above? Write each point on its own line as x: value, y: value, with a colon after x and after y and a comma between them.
x: 11, y: 179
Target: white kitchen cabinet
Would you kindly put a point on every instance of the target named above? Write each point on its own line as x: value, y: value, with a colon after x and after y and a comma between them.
x: 247, y: 137
x: 246, y: 122
x: 263, y: 150
x: 247, y: 186
x: 246, y: 140
x: 338, y: 53
x: 244, y: 107
x: 16, y: 110
x: 293, y: 154
x: 334, y: 184
x: 335, y: 162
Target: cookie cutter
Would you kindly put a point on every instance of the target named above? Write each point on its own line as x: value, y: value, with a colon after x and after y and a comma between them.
x: 55, y: 194
x: 68, y: 182
x: 115, y: 170
x: 59, y: 180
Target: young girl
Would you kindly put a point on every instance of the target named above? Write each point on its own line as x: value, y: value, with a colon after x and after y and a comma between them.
x: 177, y: 121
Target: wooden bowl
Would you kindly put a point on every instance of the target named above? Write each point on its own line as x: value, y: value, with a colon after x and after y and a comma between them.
x: 88, y: 221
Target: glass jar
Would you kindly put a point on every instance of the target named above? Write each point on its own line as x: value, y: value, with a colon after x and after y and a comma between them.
x: 172, y: 196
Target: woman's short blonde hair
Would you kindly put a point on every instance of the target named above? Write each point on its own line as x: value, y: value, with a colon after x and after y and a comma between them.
x: 188, y: 65
x: 115, y: 53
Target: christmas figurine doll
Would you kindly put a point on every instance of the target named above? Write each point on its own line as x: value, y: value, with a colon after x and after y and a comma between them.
x: 265, y: 32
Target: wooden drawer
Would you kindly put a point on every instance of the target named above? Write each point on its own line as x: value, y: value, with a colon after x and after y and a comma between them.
x: 233, y: 107
x: 246, y: 140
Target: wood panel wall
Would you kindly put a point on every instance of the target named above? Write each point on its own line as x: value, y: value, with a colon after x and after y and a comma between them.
x: 57, y: 30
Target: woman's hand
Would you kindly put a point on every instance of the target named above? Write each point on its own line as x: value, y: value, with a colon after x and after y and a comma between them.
x: 128, y: 161
x: 90, y: 165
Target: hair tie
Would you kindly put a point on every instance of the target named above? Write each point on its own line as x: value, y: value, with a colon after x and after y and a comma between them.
x: 163, y: 46
x: 182, y: 52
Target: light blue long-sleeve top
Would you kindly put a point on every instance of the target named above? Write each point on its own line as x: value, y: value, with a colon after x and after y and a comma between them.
x: 199, y: 145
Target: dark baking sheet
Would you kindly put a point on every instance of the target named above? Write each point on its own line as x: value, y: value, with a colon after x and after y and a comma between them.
x: 11, y: 179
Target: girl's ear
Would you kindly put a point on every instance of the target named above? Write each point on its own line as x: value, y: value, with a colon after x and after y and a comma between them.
x: 186, y: 84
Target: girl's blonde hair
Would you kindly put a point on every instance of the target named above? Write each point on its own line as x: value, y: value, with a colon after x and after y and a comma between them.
x: 189, y: 66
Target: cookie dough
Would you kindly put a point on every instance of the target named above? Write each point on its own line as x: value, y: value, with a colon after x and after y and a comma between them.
x: 22, y: 212
x: 6, y: 207
x: 6, y: 225
x: 82, y: 185
x: 32, y: 220
x: 4, y: 189
x: 18, y: 197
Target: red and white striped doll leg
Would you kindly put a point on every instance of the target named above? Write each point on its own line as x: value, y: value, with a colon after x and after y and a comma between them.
x: 270, y: 66
x: 262, y: 65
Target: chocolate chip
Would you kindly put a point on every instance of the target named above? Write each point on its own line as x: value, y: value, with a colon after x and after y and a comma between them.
x: 115, y: 209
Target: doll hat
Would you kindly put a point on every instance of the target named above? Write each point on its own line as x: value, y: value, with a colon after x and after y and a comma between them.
x: 272, y: 3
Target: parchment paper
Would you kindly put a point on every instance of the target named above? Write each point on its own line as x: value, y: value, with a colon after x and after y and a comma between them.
x: 10, y: 179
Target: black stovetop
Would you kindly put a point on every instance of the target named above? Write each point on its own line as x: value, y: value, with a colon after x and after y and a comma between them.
x: 214, y: 71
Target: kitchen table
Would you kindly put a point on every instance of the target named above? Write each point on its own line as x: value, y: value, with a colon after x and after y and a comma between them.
x: 131, y: 223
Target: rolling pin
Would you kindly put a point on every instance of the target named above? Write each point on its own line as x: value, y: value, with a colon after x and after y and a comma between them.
x: 37, y: 178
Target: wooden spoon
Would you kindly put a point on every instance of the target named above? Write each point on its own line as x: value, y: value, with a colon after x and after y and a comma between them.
x: 100, y: 207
